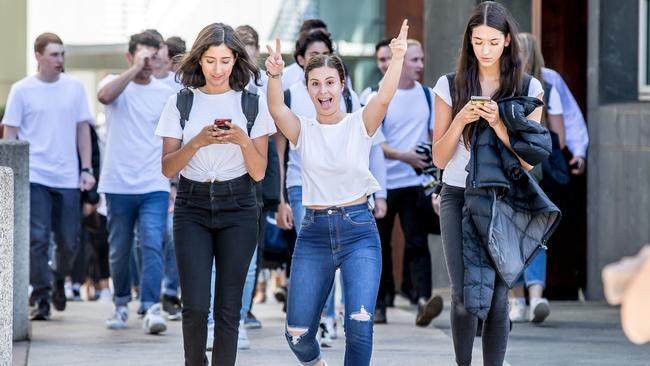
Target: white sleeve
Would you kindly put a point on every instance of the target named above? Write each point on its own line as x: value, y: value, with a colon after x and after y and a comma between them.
x: 169, y: 124
x: 433, y: 109
x: 301, y: 134
x: 14, y: 111
x: 357, y: 118
x: 554, y: 103
x: 83, y: 111
x: 442, y: 90
x: 535, y: 88
x: 264, y: 125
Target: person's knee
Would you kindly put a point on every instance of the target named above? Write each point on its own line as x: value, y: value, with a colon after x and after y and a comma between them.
x: 296, y: 335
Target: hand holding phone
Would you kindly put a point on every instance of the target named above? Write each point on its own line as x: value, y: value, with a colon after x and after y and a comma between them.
x: 221, y: 123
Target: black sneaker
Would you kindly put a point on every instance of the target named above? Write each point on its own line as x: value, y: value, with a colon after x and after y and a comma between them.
x: 380, y: 315
x: 40, y: 311
x: 428, y: 310
x: 58, y: 295
x: 172, y: 306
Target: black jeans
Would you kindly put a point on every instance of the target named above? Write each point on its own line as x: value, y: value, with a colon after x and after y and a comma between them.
x: 52, y: 211
x: 408, y: 204
x: 463, y: 324
x: 214, y: 221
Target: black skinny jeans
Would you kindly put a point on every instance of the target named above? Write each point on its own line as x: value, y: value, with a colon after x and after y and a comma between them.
x: 463, y: 324
x: 214, y: 221
x: 407, y: 203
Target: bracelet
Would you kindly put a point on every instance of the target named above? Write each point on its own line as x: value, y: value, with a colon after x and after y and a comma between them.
x: 277, y: 76
x: 87, y: 170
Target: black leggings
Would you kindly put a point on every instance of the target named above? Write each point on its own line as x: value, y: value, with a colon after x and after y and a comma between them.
x: 463, y: 324
x: 214, y: 221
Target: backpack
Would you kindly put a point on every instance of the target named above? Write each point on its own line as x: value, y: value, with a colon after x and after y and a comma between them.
x: 268, y: 189
x: 347, y: 98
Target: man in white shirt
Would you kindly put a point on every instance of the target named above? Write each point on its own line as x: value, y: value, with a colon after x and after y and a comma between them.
x: 50, y: 111
x: 131, y: 178
x: 409, y: 120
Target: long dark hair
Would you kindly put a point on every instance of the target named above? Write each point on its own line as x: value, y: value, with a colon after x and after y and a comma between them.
x: 466, y: 81
x: 189, y: 71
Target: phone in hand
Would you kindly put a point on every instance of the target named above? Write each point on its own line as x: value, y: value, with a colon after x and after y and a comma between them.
x: 479, y: 100
x: 220, y: 123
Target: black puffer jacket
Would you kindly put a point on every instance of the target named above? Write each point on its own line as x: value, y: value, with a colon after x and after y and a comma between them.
x: 507, y: 218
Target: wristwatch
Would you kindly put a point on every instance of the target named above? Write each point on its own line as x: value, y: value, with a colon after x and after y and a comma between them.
x: 87, y: 170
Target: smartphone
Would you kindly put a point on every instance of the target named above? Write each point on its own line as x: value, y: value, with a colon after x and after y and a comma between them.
x: 221, y: 123
x: 479, y: 100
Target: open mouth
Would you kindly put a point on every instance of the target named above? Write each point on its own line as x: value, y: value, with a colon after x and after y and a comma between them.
x: 325, y: 103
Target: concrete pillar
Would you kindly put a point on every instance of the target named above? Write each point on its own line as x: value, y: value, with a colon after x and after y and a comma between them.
x: 6, y: 263
x: 13, y: 17
x: 15, y: 154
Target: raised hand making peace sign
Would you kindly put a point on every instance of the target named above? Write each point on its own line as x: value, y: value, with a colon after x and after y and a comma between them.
x: 274, y: 63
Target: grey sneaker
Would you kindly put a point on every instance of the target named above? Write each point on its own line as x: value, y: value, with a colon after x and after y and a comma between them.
x: 154, y: 322
x: 428, y: 310
x: 539, y: 310
x: 118, y: 319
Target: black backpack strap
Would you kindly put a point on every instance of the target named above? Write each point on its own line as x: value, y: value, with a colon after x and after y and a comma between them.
x: 347, y: 98
x: 374, y: 88
x: 547, y: 92
x: 287, y: 98
x: 427, y: 94
x: 184, y: 99
x: 250, y: 106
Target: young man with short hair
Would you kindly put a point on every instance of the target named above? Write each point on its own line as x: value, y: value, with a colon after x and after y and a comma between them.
x: 50, y: 111
x: 409, y: 121
x: 132, y: 179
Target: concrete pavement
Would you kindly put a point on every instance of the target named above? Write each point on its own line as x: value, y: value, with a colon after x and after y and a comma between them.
x: 575, y: 334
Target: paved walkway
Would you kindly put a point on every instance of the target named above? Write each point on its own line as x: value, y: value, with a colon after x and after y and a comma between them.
x: 575, y: 334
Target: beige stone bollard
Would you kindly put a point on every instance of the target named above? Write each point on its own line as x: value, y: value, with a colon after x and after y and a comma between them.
x: 6, y: 264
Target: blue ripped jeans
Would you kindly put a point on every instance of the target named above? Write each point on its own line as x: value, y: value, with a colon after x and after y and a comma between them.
x: 339, y: 237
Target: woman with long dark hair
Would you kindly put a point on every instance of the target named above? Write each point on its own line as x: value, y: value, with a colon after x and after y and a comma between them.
x: 220, y: 156
x: 488, y: 65
x: 338, y: 229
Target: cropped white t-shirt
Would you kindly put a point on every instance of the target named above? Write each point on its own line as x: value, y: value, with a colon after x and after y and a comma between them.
x: 455, y: 173
x: 217, y: 161
x: 335, y: 161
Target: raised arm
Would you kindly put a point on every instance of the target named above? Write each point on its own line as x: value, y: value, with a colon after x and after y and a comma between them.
x: 109, y: 92
x: 287, y: 122
x: 377, y: 106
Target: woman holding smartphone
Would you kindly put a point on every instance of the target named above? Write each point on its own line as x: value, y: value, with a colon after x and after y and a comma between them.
x: 338, y: 230
x: 216, y: 210
x: 488, y: 66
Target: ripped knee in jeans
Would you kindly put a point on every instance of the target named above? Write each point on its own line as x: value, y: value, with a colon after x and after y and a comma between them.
x: 362, y: 315
x: 296, y: 333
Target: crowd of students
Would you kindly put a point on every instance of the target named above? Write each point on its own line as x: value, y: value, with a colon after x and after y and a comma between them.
x: 208, y: 161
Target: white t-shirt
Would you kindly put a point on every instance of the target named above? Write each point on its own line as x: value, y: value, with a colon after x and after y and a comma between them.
x: 335, y: 161
x: 302, y: 105
x: 455, y: 173
x: 408, y: 121
x: 217, y: 161
x: 132, y: 159
x: 554, y: 106
x: 46, y: 115
x: 170, y: 80
x: 292, y: 74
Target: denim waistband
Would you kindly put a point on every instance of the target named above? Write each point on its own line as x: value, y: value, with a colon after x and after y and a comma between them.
x: 334, y: 210
x: 241, y: 184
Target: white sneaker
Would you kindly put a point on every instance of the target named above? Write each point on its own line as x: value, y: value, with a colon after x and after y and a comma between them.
x: 330, y: 325
x: 242, y: 340
x: 518, y: 311
x: 325, y: 338
x: 105, y: 295
x: 154, y: 322
x: 118, y: 319
x: 539, y: 309
x: 210, y: 340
